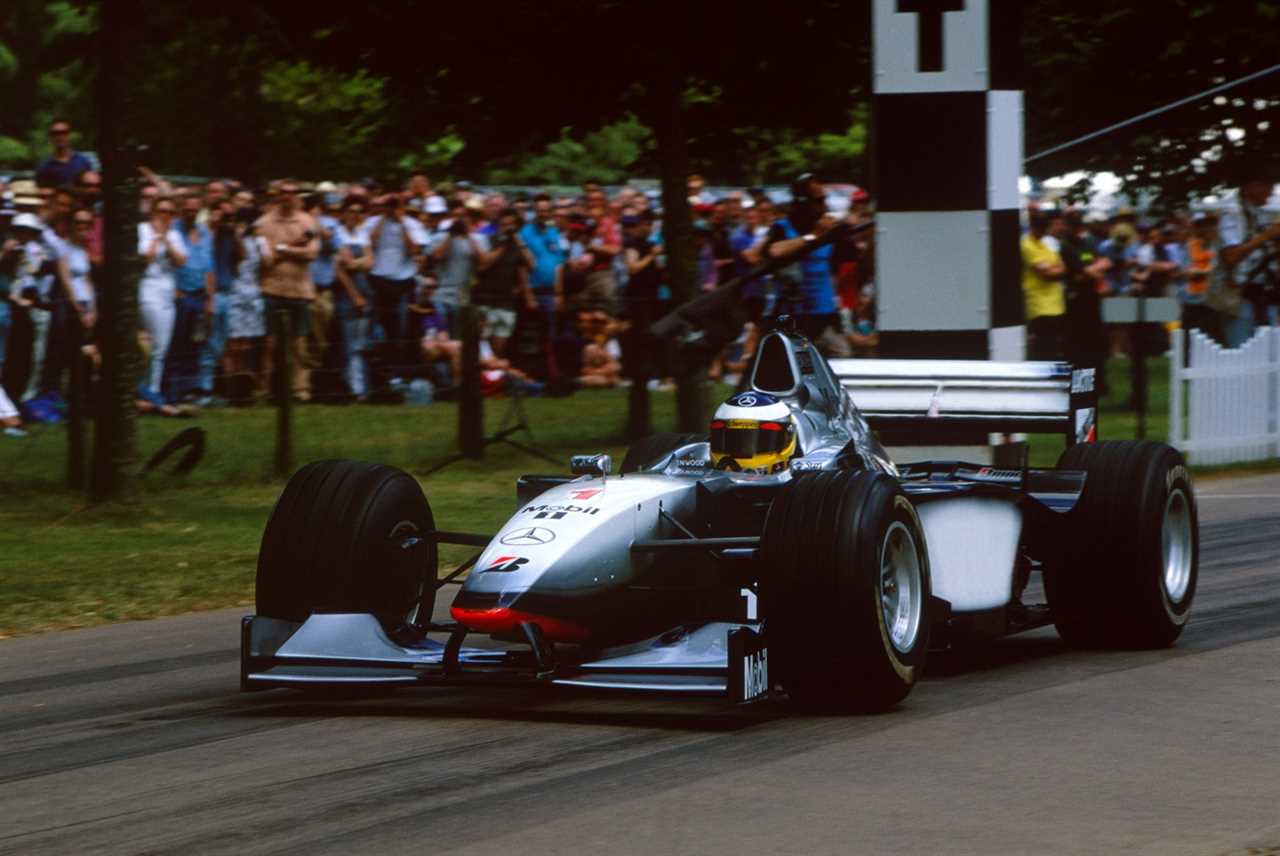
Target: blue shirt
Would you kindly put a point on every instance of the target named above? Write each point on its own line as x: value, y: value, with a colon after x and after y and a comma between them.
x: 190, y: 277
x: 324, y: 267
x: 547, y: 247
x: 818, y: 296
x: 55, y: 173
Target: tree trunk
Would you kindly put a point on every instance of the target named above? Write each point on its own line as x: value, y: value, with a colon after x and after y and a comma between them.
x: 666, y: 108
x: 115, y: 452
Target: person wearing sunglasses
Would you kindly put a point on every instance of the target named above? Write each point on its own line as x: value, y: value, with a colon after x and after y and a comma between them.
x: 64, y: 167
x: 164, y: 251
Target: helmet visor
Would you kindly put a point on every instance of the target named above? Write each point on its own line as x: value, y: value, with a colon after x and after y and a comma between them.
x: 745, y: 438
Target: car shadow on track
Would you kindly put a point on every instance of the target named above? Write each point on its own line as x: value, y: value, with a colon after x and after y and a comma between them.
x: 533, y: 705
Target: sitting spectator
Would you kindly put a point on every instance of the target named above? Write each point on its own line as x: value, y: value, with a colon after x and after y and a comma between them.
x: 64, y: 167
x: 442, y: 354
x: 862, y: 333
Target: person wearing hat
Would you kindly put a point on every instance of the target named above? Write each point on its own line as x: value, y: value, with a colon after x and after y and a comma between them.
x: 1250, y: 257
x: 806, y: 288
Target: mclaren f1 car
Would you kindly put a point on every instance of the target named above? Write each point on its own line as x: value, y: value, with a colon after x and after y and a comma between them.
x: 781, y: 554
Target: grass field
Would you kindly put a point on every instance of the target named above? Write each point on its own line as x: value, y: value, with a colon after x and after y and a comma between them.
x: 192, y: 544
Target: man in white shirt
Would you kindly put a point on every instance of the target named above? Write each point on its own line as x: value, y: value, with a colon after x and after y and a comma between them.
x: 1250, y: 245
x: 397, y: 242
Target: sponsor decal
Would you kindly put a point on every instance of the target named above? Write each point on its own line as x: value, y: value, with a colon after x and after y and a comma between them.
x: 557, y: 512
x: 1082, y: 380
x: 747, y: 399
x: 691, y: 464
x: 755, y: 675
x: 504, y: 565
x: 586, y: 493
x: 531, y: 536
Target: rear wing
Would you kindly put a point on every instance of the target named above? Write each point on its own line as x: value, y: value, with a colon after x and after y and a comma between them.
x: 925, y: 401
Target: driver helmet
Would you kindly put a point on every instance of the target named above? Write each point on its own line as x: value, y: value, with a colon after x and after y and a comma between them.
x: 753, y: 432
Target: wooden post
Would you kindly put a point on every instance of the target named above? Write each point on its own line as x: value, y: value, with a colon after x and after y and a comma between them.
x: 470, y: 400
x: 283, y: 332
x: 75, y: 403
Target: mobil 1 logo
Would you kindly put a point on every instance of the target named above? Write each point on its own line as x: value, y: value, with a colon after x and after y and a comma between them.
x: 557, y: 512
x: 748, y: 666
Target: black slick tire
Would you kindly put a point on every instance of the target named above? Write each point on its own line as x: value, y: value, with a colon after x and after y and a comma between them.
x: 1126, y: 569
x: 335, y: 542
x: 824, y: 549
x: 655, y: 447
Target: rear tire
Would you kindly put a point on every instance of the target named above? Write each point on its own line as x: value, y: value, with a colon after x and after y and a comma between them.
x: 845, y: 591
x: 333, y: 544
x: 652, y: 449
x: 1127, y: 572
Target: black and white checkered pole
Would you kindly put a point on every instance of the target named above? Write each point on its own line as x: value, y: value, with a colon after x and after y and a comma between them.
x: 947, y: 126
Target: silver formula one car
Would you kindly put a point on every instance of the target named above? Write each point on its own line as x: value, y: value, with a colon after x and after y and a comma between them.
x: 693, y: 570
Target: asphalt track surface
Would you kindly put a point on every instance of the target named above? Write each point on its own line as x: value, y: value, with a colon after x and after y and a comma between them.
x: 134, y: 739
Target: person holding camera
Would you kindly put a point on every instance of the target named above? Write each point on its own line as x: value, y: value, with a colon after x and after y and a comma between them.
x: 290, y: 244
x: 805, y: 288
x: 503, y: 286
x: 459, y: 258
x: 1250, y: 291
x: 396, y: 240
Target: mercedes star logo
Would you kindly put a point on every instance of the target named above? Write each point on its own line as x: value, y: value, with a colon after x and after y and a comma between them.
x: 529, y: 537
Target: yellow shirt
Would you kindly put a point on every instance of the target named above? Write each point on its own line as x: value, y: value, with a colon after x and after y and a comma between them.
x: 1043, y: 296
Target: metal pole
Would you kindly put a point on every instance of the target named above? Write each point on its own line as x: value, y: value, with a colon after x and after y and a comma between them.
x: 470, y: 401
x: 284, y: 405
x: 75, y: 403
x: 1138, y: 368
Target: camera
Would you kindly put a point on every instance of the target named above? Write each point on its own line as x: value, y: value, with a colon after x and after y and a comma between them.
x: 458, y: 228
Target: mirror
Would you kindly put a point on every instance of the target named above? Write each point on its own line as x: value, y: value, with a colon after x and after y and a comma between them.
x: 591, y: 465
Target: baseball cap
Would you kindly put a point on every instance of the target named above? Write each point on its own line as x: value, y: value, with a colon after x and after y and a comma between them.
x: 28, y: 221
x: 435, y: 205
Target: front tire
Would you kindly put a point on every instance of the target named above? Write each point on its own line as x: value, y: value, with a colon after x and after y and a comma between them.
x: 335, y: 542
x: 1126, y: 573
x: 846, y: 590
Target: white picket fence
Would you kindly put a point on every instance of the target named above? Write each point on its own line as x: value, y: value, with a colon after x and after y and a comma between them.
x: 1224, y: 403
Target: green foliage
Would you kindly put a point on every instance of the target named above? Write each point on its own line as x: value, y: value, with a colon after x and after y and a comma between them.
x: 611, y: 154
x: 14, y: 154
x: 325, y: 122
x: 435, y: 157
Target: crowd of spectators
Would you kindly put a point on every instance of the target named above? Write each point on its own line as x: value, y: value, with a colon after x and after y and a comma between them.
x: 366, y: 281
x: 1222, y: 265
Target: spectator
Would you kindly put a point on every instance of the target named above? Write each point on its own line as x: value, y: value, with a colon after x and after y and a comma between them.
x: 641, y: 300
x: 441, y: 353
x: 324, y: 276
x: 64, y: 167
x: 808, y: 291
x: 1085, y: 336
x: 863, y: 337
x: 290, y: 245
x: 503, y: 286
x: 1042, y: 273
x: 246, y: 310
x: 9, y: 416
x: 164, y: 251
x: 600, y: 291
x: 352, y: 296
x: 222, y: 222
x: 90, y: 193
x: 548, y: 247
x: 458, y: 257
x: 1203, y: 248
x: 396, y: 240
x: 194, y: 306
x: 1250, y: 292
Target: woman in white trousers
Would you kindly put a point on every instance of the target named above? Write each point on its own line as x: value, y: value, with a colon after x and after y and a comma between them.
x: 162, y: 248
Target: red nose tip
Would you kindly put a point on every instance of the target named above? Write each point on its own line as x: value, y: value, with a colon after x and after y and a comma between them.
x: 504, y: 620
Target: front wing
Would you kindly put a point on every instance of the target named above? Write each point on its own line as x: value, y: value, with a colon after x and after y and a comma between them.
x: 725, y: 659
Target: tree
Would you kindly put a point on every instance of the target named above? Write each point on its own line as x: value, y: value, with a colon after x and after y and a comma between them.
x: 1094, y: 63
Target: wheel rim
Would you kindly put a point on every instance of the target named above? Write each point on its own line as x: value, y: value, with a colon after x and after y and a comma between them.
x: 901, y: 587
x: 1176, y: 546
x: 402, y: 531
